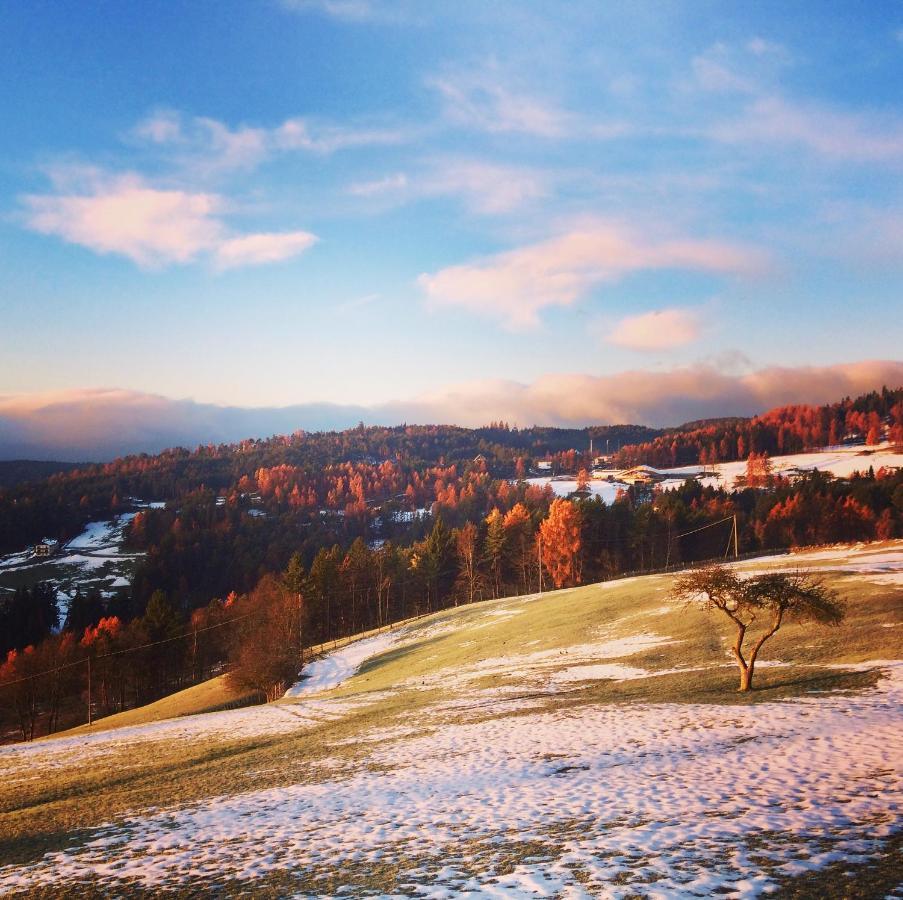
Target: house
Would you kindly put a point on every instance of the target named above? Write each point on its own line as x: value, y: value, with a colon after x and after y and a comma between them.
x: 47, y: 547
x: 544, y: 465
x: 641, y: 475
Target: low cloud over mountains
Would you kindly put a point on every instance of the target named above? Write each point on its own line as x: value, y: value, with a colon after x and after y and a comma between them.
x: 99, y: 424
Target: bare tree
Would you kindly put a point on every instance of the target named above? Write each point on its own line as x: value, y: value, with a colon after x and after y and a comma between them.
x: 769, y: 599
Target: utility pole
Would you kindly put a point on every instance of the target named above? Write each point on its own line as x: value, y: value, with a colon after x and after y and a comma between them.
x: 301, y: 627
x: 736, y: 548
x: 89, y: 691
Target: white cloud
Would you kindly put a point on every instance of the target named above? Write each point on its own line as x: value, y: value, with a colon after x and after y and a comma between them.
x: 714, y: 71
x: 759, y: 46
x: 355, y: 11
x: 389, y: 185
x: 126, y: 216
x: 153, y: 227
x: 485, y: 188
x: 658, y: 330
x: 206, y: 145
x: 480, y: 100
x: 854, y: 137
x: 161, y: 127
x: 255, y: 249
x: 769, y: 118
x: 732, y: 68
x: 302, y: 134
x: 517, y: 285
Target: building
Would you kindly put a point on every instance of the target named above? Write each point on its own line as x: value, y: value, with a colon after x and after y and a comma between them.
x: 641, y: 475
x: 47, y: 547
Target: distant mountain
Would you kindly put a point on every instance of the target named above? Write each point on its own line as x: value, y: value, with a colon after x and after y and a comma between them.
x: 20, y: 471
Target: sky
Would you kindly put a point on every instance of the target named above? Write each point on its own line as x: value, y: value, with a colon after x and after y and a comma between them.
x: 357, y: 209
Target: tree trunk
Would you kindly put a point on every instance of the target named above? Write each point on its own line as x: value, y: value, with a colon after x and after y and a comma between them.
x: 775, y: 625
x: 745, y: 670
x: 746, y: 674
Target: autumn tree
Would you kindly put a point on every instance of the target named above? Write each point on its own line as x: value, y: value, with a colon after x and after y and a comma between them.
x: 519, y: 543
x: 758, y: 470
x: 766, y: 601
x: 494, y: 549
x: 468, y: 571
x: 561, y: 542
x: 266, y: 651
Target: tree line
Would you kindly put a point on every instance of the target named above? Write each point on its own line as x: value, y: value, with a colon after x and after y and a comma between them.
x: 870, y: 418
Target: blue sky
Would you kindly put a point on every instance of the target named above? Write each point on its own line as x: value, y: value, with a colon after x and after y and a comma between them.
x: 266, y: 203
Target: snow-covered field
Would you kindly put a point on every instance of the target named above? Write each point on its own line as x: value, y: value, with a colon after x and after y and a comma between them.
x: 497, y: 787
x: 841, y: 462
x: 564, y: 487
x: 93, y: 559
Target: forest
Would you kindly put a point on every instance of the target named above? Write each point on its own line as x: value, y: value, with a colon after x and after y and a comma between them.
x: 784, y: 430
x: 269, y: 547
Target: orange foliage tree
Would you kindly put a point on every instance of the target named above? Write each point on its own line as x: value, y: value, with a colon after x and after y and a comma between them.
x: 560, y: 543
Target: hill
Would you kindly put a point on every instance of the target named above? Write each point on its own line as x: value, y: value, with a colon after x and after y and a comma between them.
x: 581, y: 742
x: 14, y: 472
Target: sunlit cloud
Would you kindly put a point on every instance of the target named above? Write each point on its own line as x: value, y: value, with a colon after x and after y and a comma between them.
x: 649, y: 398
x: 661, y: 329
x: 127, y: 217
x: 517, y: 285
x: 153, y: 227
x: 256, y: 249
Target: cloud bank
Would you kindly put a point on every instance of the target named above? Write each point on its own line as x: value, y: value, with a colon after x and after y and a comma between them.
x: 101, y: 424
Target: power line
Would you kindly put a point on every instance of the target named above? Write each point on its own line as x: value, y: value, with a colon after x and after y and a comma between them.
x: 627, y: 540
x: 80, y: 662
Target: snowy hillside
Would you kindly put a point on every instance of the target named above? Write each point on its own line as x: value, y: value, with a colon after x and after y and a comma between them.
x: 92, y: 560
x: 580, y: 743
x: 841, y: 462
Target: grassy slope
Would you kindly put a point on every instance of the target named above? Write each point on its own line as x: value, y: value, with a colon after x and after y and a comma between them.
x: 207, y: 696
x: 55, y: 808
x: 211, y: 695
